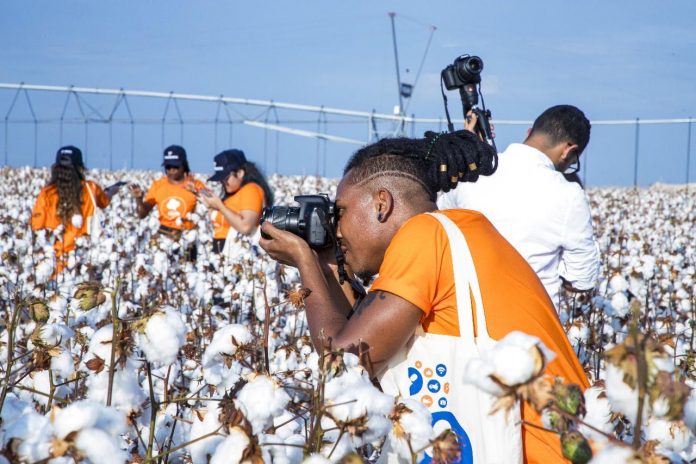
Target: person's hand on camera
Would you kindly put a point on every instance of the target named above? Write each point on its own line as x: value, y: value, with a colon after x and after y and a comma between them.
x: 470, y: 124
x: 470, y: 121
x: 283, y: 246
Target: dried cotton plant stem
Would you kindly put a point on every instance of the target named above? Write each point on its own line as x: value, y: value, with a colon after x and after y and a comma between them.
x: 114, y: 339
x: 10, y: 352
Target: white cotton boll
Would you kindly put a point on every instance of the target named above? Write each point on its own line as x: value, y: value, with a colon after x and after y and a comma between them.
x: 613, y: 454
x: 165, y: 334
x: 673, y: 436
x: 619, y: 304
x: 598, y: 414
x: 100, y: 343
x: 512, y: 365
x: 231, y: 449
x: 83, y: 415
x: 289, y: 452
x: 618, y: 283
x: 260, y: 400
x: 127, y: 396
x: 339, y: 449
x: 414, y: 428
x: 225, y: 341
x: 57, y: 304
x: 43, y: 271
x: 623, y: 398
x: 55, y: 334
x: 98, y: 446
x: 76, y: 221
x: 352, y: 395
x: 648, y: 267
x: 478, y: 372
x: 201, y: 449
x: 34, y: 434
x: 689, y: 412
x: 286, y: 424
x: 63, y: 364
x: 578, y: 333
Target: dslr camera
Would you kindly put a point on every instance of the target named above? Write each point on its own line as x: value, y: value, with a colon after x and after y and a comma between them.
x: 465, y: 75
x: 314, y: 220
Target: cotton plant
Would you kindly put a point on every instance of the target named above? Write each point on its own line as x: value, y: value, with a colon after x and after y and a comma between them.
x: 200, y: 333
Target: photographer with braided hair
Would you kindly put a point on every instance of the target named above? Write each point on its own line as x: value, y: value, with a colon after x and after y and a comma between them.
x: 445, y: 282
x: 69, y: 201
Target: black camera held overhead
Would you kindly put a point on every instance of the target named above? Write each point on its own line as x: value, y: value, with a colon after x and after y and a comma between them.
x: 314, y: 221
x: 465, y: 74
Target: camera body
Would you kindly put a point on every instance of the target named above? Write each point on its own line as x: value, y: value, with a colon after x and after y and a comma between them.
x: 465, y: 70
x: 314, y: 220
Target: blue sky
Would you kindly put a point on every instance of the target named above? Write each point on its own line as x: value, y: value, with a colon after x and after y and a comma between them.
x: 615, y: 60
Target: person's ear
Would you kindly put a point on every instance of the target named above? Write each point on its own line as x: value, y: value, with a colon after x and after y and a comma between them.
x: 568, y: 151
x: 384, y: 204
x: 529, y: 132
x: 240, y: 174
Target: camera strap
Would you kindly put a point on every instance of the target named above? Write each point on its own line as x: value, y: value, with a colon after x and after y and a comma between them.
x: 450, y: 126
x: 340, y: 258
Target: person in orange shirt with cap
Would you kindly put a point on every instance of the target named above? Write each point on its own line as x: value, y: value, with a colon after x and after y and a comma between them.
x: 174, y: 194
x: 69, y: 201
x: 244, y: 194
x: 445, y: 284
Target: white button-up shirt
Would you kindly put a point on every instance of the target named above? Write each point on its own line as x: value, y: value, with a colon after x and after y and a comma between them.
x: 545, y: 217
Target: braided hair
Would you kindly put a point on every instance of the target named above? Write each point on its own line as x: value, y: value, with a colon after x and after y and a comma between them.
x: 437, y: 162
x: 68, y: 181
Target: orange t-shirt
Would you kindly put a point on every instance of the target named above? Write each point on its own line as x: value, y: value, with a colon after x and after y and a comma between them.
x: 174, y: 202
x: 417, y: 266
x: 45, y: 214
x: 248, y: 198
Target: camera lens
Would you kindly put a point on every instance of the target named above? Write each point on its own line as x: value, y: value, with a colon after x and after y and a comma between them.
x: 283, y: 217
x: 469, y: 69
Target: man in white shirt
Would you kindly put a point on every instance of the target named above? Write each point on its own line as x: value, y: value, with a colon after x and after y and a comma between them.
x: 528, y: 199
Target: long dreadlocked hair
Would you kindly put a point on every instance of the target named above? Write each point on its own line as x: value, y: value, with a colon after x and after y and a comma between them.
x: 68, y: 182
x: 437, y: 162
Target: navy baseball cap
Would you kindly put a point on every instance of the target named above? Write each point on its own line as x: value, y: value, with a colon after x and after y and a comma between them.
x: 227, y: 162
x: 69, y: 156
x: 174, y: 155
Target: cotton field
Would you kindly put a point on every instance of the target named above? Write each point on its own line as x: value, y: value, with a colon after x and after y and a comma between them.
x: 135, y: 355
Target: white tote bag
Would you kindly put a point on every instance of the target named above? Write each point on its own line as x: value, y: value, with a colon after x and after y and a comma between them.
x: 94, y: 222
x: 431, y: 368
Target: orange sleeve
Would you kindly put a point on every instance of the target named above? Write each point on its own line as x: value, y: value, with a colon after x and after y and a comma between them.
x: 38, y: 213
x: 99, y: 195
x: 409, y: 262
x: 151, y: 195
x: 250, y: 198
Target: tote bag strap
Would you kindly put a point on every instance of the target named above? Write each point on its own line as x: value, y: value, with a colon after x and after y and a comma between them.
x: 465, y: 281
x: 91, y: 196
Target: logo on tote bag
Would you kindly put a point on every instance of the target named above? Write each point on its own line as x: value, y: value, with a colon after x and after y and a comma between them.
x: 435, y: 397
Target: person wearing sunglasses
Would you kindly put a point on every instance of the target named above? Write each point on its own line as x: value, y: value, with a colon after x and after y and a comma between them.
x: 174, y: 194
x: 536, y: 201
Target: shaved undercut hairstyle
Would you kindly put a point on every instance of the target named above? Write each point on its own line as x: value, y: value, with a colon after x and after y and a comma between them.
x: 437, y: 162
x: 563, y: 123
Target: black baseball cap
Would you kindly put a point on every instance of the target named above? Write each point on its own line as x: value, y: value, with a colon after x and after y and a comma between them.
x: 69, y: 156
x: 174, y: 155
x: 226, y: 162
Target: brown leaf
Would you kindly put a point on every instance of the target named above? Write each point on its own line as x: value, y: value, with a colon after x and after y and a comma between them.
x: 95, y: 364
x: 59, y: 447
